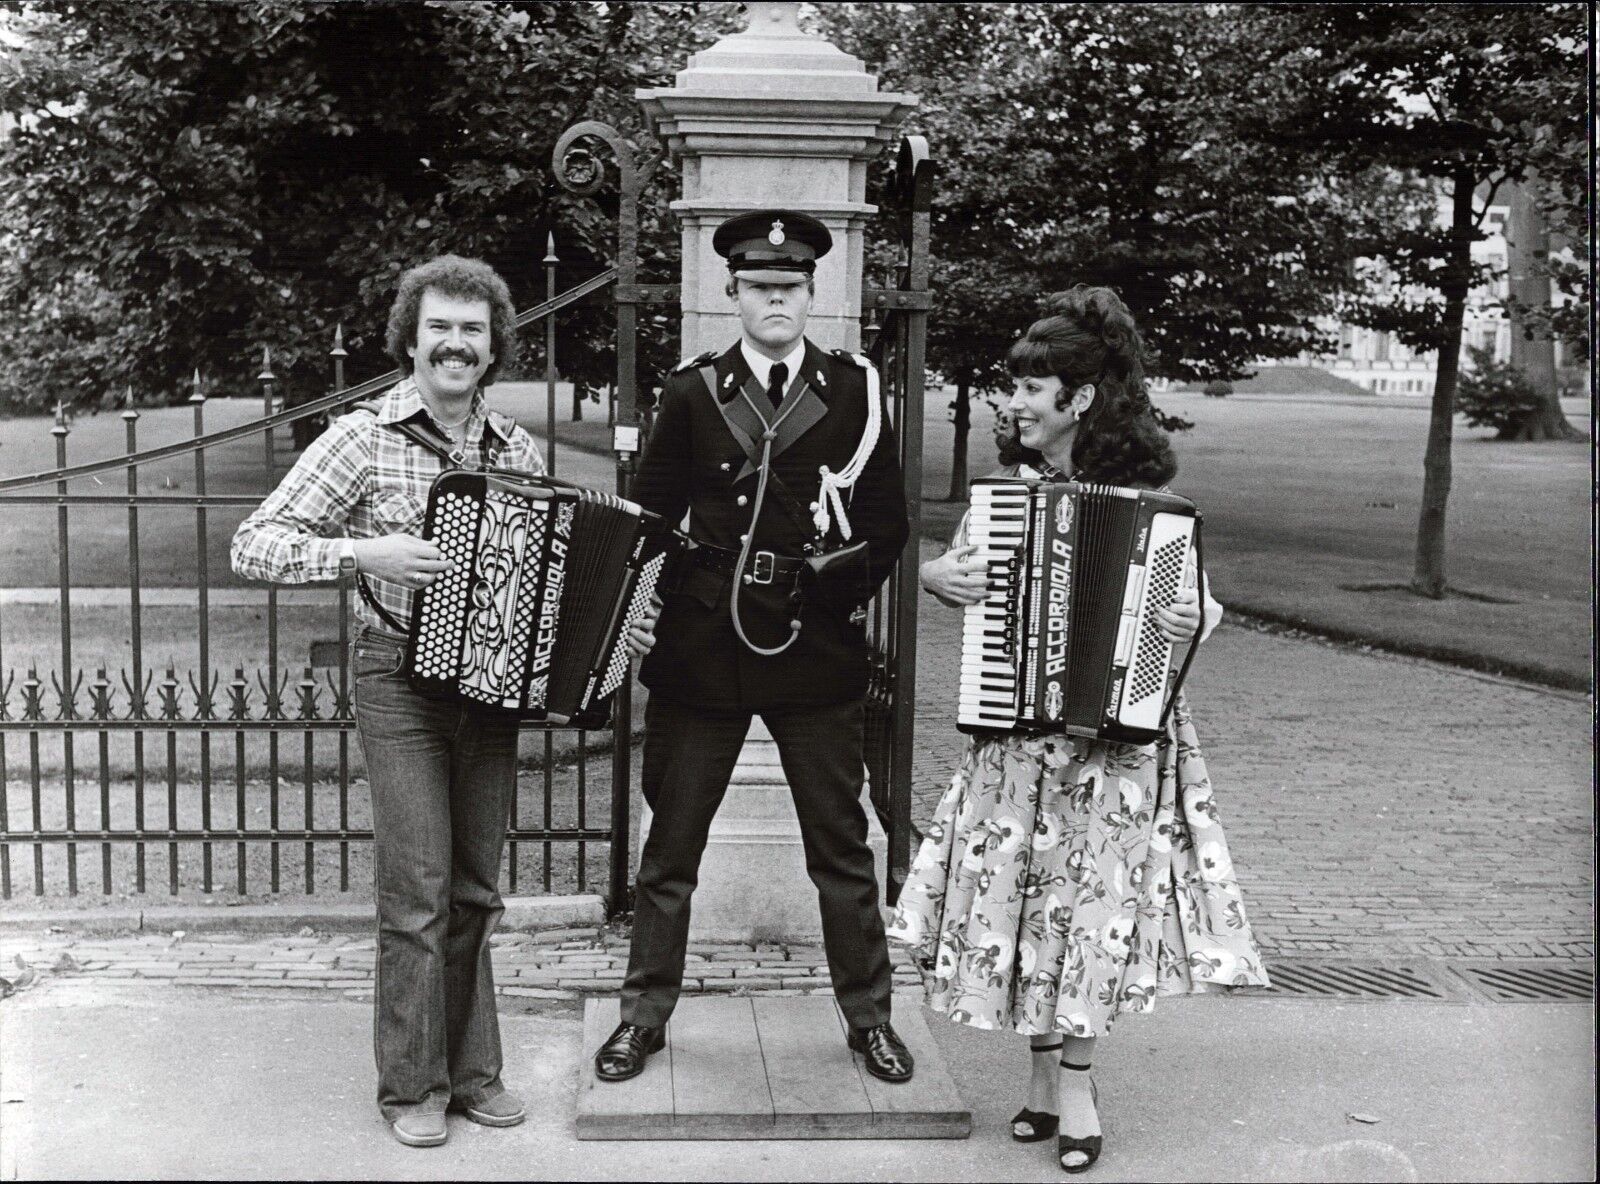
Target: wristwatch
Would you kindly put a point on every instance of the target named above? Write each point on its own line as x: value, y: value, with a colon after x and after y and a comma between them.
x: 347, y: 558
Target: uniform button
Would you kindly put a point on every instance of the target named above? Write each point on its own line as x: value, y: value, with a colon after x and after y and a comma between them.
x: 727, y: 465
x: 812, y: 507
x: 744, y: 538
x: 741, y: 500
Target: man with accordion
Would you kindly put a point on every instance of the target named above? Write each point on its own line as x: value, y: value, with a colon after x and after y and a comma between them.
x: 781, y: 455
x: 440, y: 770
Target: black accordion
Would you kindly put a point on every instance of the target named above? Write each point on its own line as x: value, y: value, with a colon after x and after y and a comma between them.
x: 1066, y: 638
x: 548, y: 578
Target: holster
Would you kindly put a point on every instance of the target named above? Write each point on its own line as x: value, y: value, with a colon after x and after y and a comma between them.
x: 841, y: 578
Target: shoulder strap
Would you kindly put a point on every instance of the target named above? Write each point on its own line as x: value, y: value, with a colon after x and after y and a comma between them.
x: 423, y: 434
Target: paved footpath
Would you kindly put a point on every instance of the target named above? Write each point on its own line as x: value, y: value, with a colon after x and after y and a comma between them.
x: 1374, y: 805
x: 560, y: 964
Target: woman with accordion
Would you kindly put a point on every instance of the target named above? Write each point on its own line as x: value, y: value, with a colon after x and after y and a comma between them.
x: 1066, y: 880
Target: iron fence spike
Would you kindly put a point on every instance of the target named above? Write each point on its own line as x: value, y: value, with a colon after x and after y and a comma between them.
x: 338, y: 349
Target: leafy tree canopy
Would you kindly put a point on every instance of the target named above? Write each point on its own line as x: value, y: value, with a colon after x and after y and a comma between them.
x: 1105, y: 144
x: 183, y: 188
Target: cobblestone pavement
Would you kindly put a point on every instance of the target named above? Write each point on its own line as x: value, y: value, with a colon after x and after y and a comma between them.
x: 554, y: 964
x: 1377, y: 807
x: 1374, y: 805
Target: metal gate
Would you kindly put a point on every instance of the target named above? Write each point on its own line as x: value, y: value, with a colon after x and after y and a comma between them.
x: 189, y: 769
x: 895, y: 326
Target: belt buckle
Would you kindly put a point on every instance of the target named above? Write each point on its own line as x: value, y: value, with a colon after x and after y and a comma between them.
x: 765, y: 565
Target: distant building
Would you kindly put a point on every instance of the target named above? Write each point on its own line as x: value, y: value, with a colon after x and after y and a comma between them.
x: 1376, y: 362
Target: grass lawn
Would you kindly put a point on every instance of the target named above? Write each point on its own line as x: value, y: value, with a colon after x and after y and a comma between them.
x: 1311, y: 503
x: 249, y: 802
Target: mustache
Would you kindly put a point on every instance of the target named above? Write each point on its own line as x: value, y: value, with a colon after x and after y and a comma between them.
x: 445, y: 353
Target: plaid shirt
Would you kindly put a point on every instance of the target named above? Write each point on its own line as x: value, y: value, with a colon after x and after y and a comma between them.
x: 361, y: 480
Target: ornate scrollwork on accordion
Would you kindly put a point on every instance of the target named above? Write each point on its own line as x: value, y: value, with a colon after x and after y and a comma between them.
x: 547, y: 579
x: 1067, y: 638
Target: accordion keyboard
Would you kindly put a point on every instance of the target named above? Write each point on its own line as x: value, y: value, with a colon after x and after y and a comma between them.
x: 996, y: 527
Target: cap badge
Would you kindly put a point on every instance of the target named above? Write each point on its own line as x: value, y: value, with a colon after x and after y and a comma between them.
x: 775, y: 235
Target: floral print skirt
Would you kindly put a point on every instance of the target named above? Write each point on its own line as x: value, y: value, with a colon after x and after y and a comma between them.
x: 1063, y: 881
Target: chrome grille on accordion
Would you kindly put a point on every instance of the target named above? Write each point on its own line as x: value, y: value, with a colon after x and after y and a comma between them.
x: 547, y: 579
x: 1067, y: 638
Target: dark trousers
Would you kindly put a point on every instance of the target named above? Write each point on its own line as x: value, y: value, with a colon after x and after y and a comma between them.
x: 441, y: 777
x: 688, y: 757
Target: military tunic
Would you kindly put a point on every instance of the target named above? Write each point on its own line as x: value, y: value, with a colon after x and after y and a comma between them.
x: 694, y: 462
x: 705, y: 683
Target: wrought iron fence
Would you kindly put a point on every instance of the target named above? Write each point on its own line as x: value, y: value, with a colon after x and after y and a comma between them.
x: 164, y: 777
x: 194, y: 769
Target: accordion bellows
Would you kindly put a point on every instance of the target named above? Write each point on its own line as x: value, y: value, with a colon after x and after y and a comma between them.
x: 547, y: 580
x: 1067, y: 637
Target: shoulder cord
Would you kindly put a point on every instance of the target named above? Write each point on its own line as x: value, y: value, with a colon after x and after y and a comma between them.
x: 846, y: 478
x: 765, y: 468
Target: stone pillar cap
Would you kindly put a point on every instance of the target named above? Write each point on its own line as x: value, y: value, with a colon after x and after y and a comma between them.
x: 773, y: 56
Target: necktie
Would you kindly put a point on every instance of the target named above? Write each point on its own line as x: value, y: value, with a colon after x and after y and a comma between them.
x: 776, y: 382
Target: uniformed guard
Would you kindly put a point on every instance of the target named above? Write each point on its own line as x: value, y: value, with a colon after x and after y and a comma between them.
x: 782, y: 455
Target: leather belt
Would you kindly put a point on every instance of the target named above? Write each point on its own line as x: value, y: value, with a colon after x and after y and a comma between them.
x: 764, y: 567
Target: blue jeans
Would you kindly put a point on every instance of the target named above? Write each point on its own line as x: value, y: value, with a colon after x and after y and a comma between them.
x: 441, y: 777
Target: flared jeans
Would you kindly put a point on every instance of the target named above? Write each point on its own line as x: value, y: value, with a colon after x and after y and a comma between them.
x: 441, y: 777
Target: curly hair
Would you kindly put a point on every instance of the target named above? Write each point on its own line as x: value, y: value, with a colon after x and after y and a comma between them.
x: 464, y: 279
x: 1090, y: 337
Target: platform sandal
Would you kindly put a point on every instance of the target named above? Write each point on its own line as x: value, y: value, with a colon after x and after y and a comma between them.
x: 1042, y: 1122
x: 1066, y: 1144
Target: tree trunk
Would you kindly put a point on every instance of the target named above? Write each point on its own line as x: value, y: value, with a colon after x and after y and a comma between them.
x: 958, y: 458
x: 577, y: 401
x: 1428, y: 578
x: 1532, y: 352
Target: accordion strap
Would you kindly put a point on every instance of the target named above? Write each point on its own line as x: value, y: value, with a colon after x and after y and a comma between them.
x: 1200, y: 582
x: 453, y: 458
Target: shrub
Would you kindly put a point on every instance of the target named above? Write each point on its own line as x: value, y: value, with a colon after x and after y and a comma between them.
x: 1218, y: 388
x: 1495, y: 394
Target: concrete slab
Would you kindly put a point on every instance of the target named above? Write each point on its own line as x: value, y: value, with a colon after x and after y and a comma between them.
x: 764, y: 1067
x: 162, y: 1082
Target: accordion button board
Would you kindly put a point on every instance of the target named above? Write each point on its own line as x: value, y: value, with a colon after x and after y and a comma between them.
x: 547, y: 579
x: 1067, y: 637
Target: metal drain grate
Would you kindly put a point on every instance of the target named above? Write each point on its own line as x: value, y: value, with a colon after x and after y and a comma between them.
x: 1349, y: 980
x: 1530, y: 982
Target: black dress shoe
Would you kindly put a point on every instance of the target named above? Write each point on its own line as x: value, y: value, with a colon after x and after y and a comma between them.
x: 623, y: 1055
x: 886, y: 1055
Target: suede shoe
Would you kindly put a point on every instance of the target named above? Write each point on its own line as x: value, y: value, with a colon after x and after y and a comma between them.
x: 504, y: 1109
x: 623, y: 1055
x: 885, y: 1054
x: 423, y: 1129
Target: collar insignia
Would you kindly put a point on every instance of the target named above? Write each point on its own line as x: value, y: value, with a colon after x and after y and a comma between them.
x: 727, y: 382
x: 821, y: 381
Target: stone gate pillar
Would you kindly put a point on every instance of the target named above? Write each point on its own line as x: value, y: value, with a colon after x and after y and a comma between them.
x: 770, y: 116
x: 773, y: 117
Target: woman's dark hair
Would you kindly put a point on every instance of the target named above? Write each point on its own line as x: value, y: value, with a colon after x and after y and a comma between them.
x: 463, y: 279
x: 1090, y: 337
